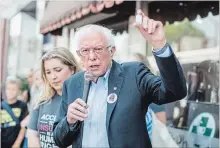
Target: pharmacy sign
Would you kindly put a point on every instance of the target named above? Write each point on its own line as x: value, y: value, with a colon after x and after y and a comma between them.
x: 203, y: 124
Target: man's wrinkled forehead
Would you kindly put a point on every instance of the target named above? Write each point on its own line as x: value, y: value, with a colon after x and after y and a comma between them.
x: 93, y: 40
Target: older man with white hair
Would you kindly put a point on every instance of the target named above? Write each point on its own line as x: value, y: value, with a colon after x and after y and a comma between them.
x: 119, y: 94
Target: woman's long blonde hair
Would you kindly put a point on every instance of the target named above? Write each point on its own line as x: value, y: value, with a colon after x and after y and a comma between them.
x: 66, y: 57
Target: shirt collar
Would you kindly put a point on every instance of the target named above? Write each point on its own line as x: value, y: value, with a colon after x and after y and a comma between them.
x: 107, y: 72
x: 105, y: 77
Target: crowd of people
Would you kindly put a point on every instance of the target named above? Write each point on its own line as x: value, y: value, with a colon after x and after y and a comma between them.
x: 121, y: 101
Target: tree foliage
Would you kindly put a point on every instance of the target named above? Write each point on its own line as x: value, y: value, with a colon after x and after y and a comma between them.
x: 177, y: 30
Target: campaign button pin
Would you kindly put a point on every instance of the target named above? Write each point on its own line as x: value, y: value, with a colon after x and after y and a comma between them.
x: 112, y: 98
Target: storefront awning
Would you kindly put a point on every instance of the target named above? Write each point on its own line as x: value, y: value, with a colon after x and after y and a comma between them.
x: 60, y: 13
x: 171, y: 11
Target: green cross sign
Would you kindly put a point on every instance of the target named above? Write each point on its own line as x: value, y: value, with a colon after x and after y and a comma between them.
x: 203, y: 124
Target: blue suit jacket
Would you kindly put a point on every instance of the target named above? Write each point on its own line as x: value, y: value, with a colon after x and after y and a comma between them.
x: 137, y: 87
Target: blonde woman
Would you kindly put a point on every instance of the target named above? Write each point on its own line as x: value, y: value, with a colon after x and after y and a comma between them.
x: 56, y: 66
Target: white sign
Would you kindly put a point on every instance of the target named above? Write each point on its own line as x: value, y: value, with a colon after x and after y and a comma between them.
x: 203, y: 124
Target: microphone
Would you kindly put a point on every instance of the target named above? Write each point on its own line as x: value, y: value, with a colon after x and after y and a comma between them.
x: 88, y: 77
x: 86, y: 89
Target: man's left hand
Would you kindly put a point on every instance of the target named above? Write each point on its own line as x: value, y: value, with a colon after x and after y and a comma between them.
x: 152, y: 31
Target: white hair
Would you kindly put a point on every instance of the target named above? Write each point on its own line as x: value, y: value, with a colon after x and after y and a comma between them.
x: 13, y: 80
x: 92, y: 28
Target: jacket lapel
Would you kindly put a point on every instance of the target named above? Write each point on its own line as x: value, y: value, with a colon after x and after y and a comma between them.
x: 114, y: 85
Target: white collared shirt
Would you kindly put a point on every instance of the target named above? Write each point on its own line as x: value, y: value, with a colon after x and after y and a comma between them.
x: 94, y: 131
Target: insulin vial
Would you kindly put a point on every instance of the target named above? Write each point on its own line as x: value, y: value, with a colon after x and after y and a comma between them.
x: 139, y: 19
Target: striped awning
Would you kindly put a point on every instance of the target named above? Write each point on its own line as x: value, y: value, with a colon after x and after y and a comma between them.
x: 61, y: 13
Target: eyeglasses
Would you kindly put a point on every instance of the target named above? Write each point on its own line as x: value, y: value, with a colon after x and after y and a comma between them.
x: 86, y: 51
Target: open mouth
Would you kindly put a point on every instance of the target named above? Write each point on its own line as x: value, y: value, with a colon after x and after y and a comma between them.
x: 94, y: 67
